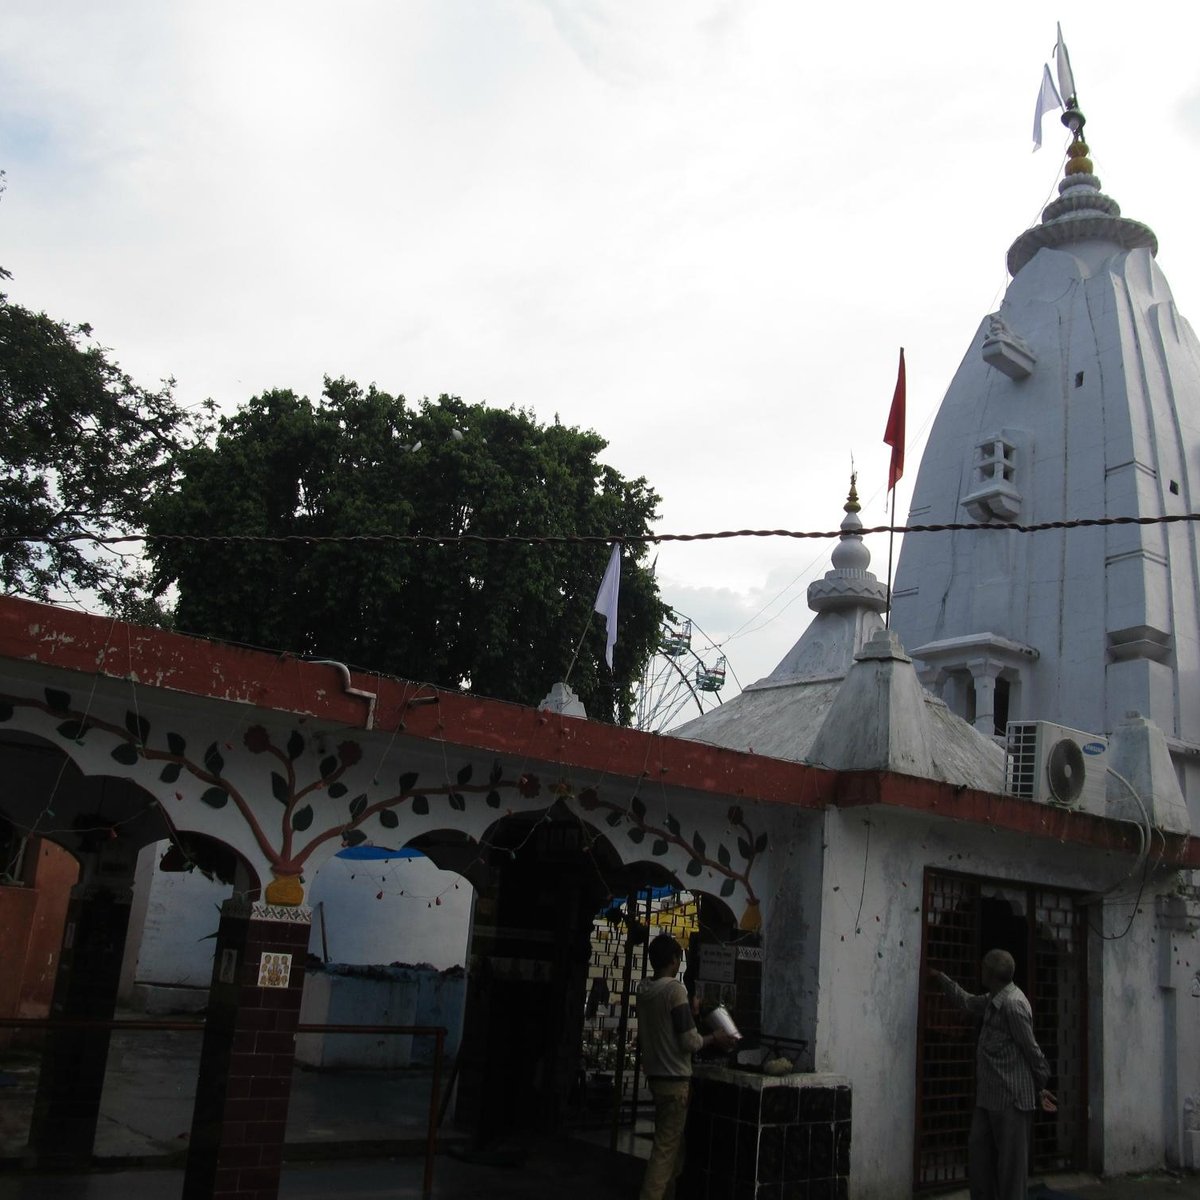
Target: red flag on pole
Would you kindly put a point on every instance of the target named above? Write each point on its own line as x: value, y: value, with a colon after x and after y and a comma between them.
x: 893, y: 435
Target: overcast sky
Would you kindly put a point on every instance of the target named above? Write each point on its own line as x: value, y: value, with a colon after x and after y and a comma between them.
x: 702, y: 228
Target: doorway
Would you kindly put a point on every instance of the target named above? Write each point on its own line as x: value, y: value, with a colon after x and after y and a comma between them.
x: 1045, y: 932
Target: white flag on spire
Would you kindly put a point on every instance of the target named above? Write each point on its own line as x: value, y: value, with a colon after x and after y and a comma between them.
x: 1062, y: 61
x: 1048, y: 100
x: 606, y: 600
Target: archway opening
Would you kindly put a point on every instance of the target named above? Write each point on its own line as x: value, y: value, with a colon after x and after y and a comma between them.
x: 557, y: 951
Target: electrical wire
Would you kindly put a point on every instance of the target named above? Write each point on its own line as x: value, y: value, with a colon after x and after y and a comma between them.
x: 583, y: 539
x: 1146, y: 836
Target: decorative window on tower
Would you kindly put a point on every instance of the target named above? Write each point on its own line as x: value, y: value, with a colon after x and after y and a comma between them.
x: 994, y: 495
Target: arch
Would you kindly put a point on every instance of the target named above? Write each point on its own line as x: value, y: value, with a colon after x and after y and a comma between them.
x: 59, y: 802
x: 408, y: 904
x: 218, y: 860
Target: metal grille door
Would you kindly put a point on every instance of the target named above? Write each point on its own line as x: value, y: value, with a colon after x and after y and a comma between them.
x: 1059, y: 999
x: 1044, y: 931
x: 946, y: 1048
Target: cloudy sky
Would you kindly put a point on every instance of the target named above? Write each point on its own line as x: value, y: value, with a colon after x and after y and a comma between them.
x: 702, y: 228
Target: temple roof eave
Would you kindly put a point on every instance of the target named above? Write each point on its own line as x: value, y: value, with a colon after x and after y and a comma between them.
x: 975, y: 645
x: 1082, y: 213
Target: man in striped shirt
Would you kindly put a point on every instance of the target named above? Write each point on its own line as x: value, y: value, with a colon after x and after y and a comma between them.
x: 1011, y: 1074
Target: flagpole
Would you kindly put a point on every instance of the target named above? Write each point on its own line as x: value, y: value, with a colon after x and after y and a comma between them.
x: 887, y: 617
x: 575, y: 656
x: 893, y: 436
x: 606, y: 605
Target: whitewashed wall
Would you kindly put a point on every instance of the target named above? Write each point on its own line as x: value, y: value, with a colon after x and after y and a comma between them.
x: 173, y: 913
x: 407, y: 924
x: 866, y: 1024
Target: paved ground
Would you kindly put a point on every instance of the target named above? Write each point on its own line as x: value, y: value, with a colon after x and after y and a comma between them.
x: 149, y: 1089
x: 146, y: 1117
x: 576, y: 1173
x: 341, y: 1127
x: 550, y: 1174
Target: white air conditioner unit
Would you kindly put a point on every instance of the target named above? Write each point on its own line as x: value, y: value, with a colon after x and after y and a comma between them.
x: 1055, y: 765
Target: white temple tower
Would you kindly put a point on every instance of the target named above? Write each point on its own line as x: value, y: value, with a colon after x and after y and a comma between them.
x: 1078, y: 399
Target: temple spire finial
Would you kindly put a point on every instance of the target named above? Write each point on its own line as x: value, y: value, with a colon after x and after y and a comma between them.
x: 1078, y: 160
x: 852, y: 505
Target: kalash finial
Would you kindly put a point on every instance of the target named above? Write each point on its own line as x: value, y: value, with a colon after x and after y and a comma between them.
x: 852, y: 505
x: 1078, y: 162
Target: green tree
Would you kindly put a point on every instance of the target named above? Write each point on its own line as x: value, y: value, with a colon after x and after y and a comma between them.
x: 500, y: 619
x: 83, y: 450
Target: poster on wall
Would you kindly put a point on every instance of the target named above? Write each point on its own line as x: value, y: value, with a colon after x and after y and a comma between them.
x: 717, y: 963
x: 274, y: 970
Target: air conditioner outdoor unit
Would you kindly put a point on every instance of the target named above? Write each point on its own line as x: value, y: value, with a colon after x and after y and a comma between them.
x: 1055, y: 765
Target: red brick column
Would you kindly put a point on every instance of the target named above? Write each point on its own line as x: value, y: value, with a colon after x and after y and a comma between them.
x: 246, y: 1062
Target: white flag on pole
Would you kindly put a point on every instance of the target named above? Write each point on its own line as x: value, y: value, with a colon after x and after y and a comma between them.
x: 1062, y: 61
x: 606, y: 600
x: 1048, y: 100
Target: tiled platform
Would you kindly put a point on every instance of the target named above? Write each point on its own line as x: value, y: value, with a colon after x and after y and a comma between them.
x: 755, y: 1137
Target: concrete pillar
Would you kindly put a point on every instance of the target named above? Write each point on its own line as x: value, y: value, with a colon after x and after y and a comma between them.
x: 62, y: 1130
x: 143, y: 880
x: 984, y: 673
x: 246, y: 1061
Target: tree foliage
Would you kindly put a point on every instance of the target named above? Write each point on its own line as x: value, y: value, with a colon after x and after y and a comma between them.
x: 500, y: 619
x: 84, y: 448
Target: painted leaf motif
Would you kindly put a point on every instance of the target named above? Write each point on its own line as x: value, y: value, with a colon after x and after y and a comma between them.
x: 637, y: 807
x: 125, y: 754
x: 458, y: 802
x: 354, y: 837
x: 496, y: 774
x: 694, y: 867
x: 213, y: 760
x: 728, y: 886
x: 408, y: 781
x: 59, y: 702
x: 358, y: 805
x: 672, y: 824
x: 73, y: 730
x: 744, y: 848
x: 614, y: 818
x: 389, y: 818
x: 138, y: 727
x: 420, y: 805
x: 6, y: 711
x: 302, y: 818
x: 760, y: 843
x: 337, y: 790
x: 660, y: 848
x: 723, y: 855
x: 215, y: 797
x: 493, y: 799
x: 170, y: 773
x: 636, y: 834
x: 698, y: 843
x: 464, y: 774
x: 329, y: 764
x: 280, y: 789
x: 176, y: 743
x: 295, y: 745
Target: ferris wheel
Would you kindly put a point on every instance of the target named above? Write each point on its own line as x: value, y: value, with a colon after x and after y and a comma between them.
x: 683, y: 679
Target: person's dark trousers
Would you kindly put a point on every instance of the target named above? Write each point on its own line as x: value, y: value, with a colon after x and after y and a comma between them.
x: 998, y: 1154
